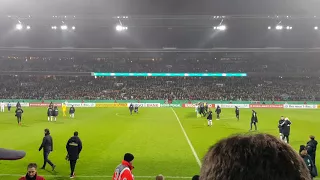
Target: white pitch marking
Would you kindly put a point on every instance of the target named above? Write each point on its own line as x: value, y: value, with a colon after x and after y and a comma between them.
x: 187, y: 138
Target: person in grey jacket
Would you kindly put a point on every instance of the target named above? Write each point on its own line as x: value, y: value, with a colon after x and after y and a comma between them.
x: 47, y: 146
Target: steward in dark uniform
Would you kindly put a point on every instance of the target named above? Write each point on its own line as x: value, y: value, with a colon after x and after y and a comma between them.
x: 131, y: 108
x: 47, y: 146
x: 202, y: 109
x: 218, y: 111
x: 286, y: 130
x: 280, y: 127
x: 254, y: 120
x: 18, y: 105
x: 74, y: 147
x: 19, y: 113
x: 312, y: 148
x: 237, y: 111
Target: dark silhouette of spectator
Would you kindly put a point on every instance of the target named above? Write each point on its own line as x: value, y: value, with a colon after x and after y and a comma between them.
x: 253, y: 157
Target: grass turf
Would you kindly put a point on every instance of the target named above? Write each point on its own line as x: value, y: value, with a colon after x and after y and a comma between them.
x: 154, y: 136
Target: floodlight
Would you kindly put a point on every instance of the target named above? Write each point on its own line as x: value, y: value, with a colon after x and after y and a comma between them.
x: 269, y: 27
x: 64, y: 27
x: 119, y: 28
x: 316, y: 28
x: 222, y: 27
x: 53, y: 27
x: 279, y: 27
x: 73, y: 28
x: 19, y: 26
x: 28, y: 27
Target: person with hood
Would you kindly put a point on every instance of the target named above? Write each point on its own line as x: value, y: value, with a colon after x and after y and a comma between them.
x: 124, y: 170
x: 308, y: 161
x: 32, y: 173
x: 312, y: 148
x: 74, y: 147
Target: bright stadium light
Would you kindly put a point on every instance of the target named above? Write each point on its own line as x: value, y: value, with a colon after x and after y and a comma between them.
x: 222, y: 27
x: 269, y: 27
x: 279, y: 27
x: 121, y: 28
x: 73, y: 28
x: 64, y: 27
x: 19, y: 26
x: 316, y: 28
x: 28, y: 27
x: 54, y: 27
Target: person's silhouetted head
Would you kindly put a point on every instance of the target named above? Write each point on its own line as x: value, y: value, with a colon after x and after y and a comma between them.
x: 253, y: 157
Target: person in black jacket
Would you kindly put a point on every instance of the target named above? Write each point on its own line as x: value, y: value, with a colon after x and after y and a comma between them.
x: 312, y: 148
x: 209, y: 118
x: 131, y: 108
x: 50, y: 113
x: 280, y: 127
x: 47, y: 146
x: 237, y: 111
x: 74, y: 147
x: 55, y: 113
x: 218, y: 111
x: 254, y: 120
x: 19, y: 113
x: 308, y: 161
x: 286, y: 130
x: 72, y: 110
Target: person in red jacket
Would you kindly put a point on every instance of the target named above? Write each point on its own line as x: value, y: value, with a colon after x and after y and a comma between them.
x: 32, y: 173
x: 124, y: 170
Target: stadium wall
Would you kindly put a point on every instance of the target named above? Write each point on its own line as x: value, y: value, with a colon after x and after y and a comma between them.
x: 158, y: 104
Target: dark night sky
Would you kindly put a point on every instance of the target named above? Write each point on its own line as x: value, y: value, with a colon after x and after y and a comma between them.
x: 149, y: 29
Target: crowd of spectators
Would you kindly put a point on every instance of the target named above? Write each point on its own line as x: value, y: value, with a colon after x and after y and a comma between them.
x: 159, y: 88
x: 87, y: 64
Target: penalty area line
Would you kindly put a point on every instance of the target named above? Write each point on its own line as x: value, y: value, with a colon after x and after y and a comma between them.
x: 102, y: 176
x: 187, y: 138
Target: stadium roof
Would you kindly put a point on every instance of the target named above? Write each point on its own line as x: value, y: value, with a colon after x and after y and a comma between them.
x: 158, y: 24
x: 147, y: 7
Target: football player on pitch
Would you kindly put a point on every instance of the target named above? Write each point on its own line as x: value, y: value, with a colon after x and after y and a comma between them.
x: 64, y: 109
x: 209, y: 118
x: 50, y: 113
x: 55, y: 113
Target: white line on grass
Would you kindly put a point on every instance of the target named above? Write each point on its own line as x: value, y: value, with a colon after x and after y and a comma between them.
x: 102, y: 176
x: 187, y: 138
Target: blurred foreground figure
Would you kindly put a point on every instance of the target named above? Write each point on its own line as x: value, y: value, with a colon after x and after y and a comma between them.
x: 6, y: 154
x: 253, y: 157
x: 124, y: 170
x: 32, y: 173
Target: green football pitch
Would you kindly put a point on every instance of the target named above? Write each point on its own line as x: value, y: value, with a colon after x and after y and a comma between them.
x: 164, y: 141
